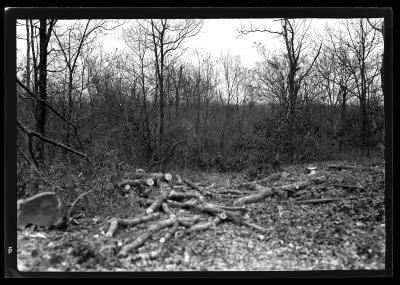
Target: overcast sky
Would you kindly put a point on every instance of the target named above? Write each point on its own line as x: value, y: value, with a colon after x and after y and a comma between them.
x: 220, y: 35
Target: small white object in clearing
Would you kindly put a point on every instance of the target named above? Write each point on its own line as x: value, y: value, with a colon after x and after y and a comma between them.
x: 186, y: 258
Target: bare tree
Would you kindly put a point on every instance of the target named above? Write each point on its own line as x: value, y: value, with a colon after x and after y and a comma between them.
x: 45, y: 30
x: 166, y: 39
x: 72, y: 41
x: 234, y: 76
x: 359, y: 59
x: 295, y: 34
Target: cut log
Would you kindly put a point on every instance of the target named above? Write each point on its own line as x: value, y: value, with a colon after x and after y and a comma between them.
x: 349, y: 187
x: 180, y: 188
x: 311, y: 170
x: 161, y: 177
x: 43, y: 209
x: 255, y: 226
x: 233, y: 192
x: 160, y: 199
x: 178, y: 180
x: 194, y: 186
x: 141, y: 239
x: 148, y: 181
x: 175, y: 195
x: 166, y: 210
x: 115, y: 223
x: 303, y: 184
x: 206, y: 225
x: 156, y: 253
x: 207, y: 208
x: 263, y: 192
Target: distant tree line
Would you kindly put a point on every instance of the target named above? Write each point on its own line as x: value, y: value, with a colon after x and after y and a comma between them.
x: 314, y: 98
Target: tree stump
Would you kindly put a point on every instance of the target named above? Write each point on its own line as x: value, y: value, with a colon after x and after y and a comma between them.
x: 43, y: 209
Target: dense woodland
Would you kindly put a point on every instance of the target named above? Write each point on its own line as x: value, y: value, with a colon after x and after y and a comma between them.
x: 89, y: 121
x: 314, y: 99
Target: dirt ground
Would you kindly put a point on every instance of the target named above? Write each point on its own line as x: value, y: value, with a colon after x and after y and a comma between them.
x: 348, y: 233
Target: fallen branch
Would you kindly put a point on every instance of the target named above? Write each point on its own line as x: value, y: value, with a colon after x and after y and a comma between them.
x: 204, y: 225
x: 303, y: 184
x: 207, y: 208
x: 264, y: 192
x: 317, y: 201
x: 160, y: 199
x: 115, y: 223
x: 254, y: 226
x: 175, y: 195
x: 141, y: 239
x: 194, y: 186
x: 35, y: 134
x: 348, y: 167
x: 166, y: 209
x: 348, y: 187
x: 71, y: 208
x: 156, y: 253
x: 233, y: 192
x: 51, y: 108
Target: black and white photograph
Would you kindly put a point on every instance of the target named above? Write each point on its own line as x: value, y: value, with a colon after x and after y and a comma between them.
x: 159, y: 144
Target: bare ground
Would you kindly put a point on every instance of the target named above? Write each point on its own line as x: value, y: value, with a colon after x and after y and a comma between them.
x: 345, y: 234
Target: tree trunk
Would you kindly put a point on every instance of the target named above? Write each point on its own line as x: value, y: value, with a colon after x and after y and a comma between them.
x: 343, y: 117
x: 40, y: 106
x: 28, y: 58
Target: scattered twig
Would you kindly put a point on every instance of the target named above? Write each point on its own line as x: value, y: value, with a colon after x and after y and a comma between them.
x: 71, y: 208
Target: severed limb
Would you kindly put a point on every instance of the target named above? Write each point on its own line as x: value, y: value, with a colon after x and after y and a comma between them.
x: 115, y: 223
x: 263, y: 192
x: 233, y: 192
x: 166, y: 209
x: 141, y: 239
x: 177, y: 196
x: 159, y: 199
x: 204, y: 225
x: 154, y: 228
x: 156, y: 253
x: 198, y: 188
x: 208, y: 209
x: 254, y: 226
